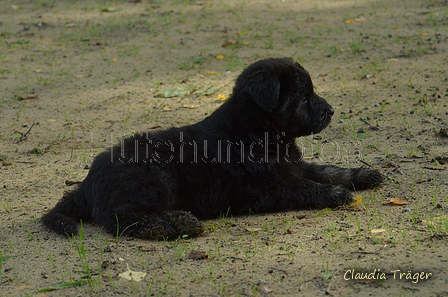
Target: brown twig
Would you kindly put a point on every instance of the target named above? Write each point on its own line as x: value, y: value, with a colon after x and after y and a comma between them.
x: 23, y: 136
x: 365, y: 163
x: 435, y: 124
x: 397, y: 167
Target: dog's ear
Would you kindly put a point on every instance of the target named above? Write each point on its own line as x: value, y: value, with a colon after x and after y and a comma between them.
x: 264, y: 90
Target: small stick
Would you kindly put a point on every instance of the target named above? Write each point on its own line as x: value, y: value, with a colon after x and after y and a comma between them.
x: 396, y: 167
x: 365, y: 163
x: 441, y: 126
x: 24, y: 136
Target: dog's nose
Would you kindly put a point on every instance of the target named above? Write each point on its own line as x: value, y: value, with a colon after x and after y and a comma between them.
x: 330, y: 111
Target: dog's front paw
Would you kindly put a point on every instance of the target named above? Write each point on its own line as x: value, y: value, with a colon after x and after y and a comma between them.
x: 172, y: 225
x: 161, y: 230
x: 363, y: 178
x: 185, y: 223
x: 336, y: 196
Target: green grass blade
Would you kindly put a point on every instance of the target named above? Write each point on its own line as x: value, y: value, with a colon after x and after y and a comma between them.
x: 65, y: 285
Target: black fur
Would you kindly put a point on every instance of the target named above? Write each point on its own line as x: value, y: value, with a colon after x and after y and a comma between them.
x: 241, y: 158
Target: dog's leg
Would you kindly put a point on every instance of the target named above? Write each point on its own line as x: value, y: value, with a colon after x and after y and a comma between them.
x: 295, y: 194
x: 169, y: 225
x: 352, y: 178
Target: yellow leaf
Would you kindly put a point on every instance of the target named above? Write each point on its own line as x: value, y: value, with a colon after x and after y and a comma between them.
x: 358, y: 201
x: 350, y: 21
x: 222, y: 97
x: 220, y: 57
x: 424, y: 34
x: 212, y: 72
x: 114, y: 59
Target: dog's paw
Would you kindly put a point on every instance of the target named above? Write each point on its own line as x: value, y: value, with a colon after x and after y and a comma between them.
x: 335, y: 196
x: 161, y: 230
x: 363, y: 178
x: 185, y: 223
x: 172, y: 225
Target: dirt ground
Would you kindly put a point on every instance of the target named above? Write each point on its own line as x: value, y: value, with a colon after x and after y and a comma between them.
x: 76, y: 76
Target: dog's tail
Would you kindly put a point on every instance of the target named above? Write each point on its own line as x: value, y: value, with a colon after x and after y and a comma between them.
x: 64, y: 217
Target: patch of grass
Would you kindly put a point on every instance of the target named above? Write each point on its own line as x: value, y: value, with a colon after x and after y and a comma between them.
x: 357, y: 46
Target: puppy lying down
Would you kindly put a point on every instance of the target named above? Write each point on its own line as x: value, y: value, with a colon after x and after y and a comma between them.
x: 240, y: 159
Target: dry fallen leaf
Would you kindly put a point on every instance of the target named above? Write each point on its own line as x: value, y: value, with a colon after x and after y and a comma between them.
x: 253, y: 229
x: 377, y: 231
x: 147, y: 248
x: 190, y: 106
x: 397, y: 201
x: 264, y: 290
x: 197, y: 255
x: 357, y: 20
x: 34, y: 96
x: 220, y: 57
x: 133, y: 275
x: 177, y: 92
x: 228, y: 43
x: 434, y: 221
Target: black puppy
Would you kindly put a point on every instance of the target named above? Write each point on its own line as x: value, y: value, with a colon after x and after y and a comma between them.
x: 241, y: 158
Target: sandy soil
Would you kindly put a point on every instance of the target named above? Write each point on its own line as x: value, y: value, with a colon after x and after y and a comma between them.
x: 76, y: 76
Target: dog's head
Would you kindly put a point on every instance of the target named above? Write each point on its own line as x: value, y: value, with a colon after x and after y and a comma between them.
x: 284, y: 92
